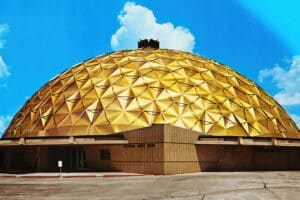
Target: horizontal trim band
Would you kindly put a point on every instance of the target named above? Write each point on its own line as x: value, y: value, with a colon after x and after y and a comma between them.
x: 249, y: 141
x: 60, y: 141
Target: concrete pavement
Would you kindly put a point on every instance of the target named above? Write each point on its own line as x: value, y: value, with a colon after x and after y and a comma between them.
x: 205, y: 185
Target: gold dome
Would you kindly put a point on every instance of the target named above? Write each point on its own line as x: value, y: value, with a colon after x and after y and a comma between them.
x: 134, y: 89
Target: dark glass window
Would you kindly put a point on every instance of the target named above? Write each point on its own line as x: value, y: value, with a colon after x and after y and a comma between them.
x: 105, y: 154
x: 129, y: 145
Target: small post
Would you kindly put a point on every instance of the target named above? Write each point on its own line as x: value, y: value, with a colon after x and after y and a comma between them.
x: 60, y: 165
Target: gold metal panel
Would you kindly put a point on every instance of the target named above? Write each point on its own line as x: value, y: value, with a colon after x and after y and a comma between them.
x: 133, y: 89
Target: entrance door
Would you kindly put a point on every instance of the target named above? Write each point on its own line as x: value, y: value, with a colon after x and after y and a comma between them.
x: 73, y: 158
x: 77, y: 158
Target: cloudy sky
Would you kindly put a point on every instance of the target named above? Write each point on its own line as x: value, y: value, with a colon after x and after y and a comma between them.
x: 40, y: 39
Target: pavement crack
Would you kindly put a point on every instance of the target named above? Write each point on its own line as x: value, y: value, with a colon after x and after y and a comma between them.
x: 203, y: 197
x: 264, y: 184
x: 176, y: 196
x: 267, y: 188
x: 182, y: 179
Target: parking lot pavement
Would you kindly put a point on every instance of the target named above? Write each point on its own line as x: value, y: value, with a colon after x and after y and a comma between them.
x: 208, y: 185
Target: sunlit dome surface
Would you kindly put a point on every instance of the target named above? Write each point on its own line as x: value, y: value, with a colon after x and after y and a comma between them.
x: 133, y: 89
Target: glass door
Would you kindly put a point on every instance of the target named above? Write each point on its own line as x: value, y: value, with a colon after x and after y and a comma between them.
x: 77, y: 158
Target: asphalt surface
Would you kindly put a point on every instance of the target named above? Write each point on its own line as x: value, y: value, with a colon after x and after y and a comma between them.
x: 203, y: 186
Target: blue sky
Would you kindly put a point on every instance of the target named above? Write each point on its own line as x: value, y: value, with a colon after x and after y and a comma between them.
x: 40, y: 39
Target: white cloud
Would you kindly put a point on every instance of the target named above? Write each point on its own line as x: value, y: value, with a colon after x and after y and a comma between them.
x: 3, y: 29
x: 138, y: 22
x: 296, y: 118
x: 3, y: 67
x: 4, y: 120
x: 287, y: 81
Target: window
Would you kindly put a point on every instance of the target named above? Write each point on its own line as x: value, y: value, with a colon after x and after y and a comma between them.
x: 151, y: 145
x: 129, y: 145
x: 141, y: 145
x: 266, y: 149
x: 105, y: 154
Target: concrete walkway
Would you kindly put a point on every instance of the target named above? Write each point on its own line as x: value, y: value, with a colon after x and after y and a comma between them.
x: 43, y: 175
x: 127, y: 186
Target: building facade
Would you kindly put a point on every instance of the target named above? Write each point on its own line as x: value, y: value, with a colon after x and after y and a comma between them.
x: 153, y: 111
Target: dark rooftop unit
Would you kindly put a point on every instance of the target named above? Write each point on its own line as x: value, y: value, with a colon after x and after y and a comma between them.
x: 148, y: 43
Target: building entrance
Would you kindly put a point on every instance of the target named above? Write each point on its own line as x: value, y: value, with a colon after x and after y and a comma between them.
x: 77, y: 158
x: 73, y: 158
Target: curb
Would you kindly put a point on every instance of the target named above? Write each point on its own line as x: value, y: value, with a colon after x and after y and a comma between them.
x: 105, y: 176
